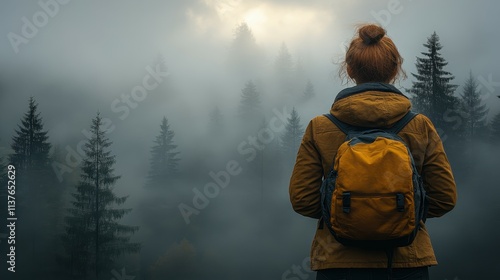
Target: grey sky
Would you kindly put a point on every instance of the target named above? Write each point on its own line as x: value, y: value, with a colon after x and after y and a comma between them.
x: 103, y: 37
x: 91, y: 52
x: 110, y: 42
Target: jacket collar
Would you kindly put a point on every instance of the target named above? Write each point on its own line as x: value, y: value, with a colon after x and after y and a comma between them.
x: 383, y: 87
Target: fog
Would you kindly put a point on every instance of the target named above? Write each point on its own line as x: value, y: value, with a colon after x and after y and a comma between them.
x: 86, y: 57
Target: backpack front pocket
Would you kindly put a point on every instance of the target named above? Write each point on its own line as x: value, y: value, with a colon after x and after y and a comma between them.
x: 373, y: 216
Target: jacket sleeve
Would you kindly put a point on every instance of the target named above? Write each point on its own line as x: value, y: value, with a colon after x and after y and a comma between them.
x: 437, y: 175
x: 306, y: 178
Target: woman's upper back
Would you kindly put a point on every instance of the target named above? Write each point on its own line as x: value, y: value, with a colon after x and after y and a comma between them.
x: 379, y: 105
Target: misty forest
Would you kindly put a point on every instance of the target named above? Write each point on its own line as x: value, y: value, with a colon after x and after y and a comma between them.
x: 182, y: 172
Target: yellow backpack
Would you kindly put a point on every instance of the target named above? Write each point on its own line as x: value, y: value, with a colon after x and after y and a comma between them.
x: 373, y: 197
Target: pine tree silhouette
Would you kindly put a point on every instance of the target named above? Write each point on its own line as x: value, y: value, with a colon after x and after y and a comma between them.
x: 244, y: 55
x: 309, y: 90
x: 250, y: 107
x: 290, y: 141
x: 284, y: 63
x: 284, y: 71
x: 93, y: 236
x: 432, y: 90
x: 36, y: 192
x: 473, y: 112
x: 30, y: 144
x: 164, y: 161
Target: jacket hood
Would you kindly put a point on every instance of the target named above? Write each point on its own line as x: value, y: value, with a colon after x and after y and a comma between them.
x: 370, y: 105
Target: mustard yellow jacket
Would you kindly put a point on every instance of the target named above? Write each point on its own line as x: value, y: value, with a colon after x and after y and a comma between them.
x: 370, y: 105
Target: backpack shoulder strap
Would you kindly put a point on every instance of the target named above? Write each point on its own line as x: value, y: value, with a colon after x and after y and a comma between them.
x: 399, y: 125
x: 345, y: 128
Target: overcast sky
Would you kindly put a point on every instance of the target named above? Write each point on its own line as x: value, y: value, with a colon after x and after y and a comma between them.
x: 104, y: 43
x: 103, y: 37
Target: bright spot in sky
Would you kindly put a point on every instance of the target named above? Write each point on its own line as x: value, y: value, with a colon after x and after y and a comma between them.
x: 271, y: 23
x: 255, y: 17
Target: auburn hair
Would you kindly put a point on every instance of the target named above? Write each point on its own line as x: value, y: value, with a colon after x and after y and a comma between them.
x: 372, y: 57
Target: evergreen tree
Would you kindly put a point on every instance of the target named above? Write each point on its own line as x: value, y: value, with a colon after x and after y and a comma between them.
x: 432, y: 90
x: 284, y: 62
x: 309, y: 90
x: 290, y: 141
x: 243, y: 39
x: 473, y: 112
x: 35, y: 190
x: 164, y: 162
x: 245, y: 55
x: 30, y: 144
x: 250, y: 107
x: 495, y: 130
x: 93, y: 236
x: 285, y: 74
x: 284, y: 65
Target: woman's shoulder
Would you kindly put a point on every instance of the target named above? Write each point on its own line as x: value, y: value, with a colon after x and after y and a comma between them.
x: 422, y: 123
x: 321, y: 124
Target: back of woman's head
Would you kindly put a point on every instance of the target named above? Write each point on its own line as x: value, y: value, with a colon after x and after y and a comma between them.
x: 372, y: 57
